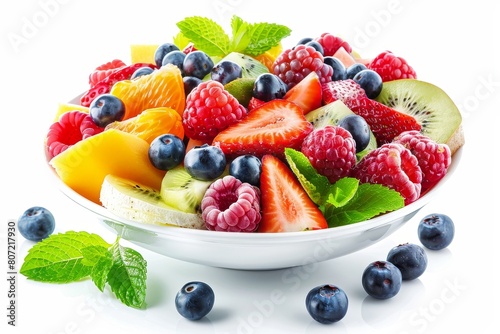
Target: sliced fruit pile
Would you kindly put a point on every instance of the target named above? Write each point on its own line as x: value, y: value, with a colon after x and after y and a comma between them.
x: 237, y: 133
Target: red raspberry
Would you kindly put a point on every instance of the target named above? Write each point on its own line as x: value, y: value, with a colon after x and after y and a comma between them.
x: 293, y: 65
x: 71, y: 127
x: 104, y: 71
x: 331, y: 150
x: 393, y: 166
x: 189, y: 48
x: 231, y: 205
x: 331, y: 44
x: 391, y: 67
x: 209, y: 110
x: 433, y: 158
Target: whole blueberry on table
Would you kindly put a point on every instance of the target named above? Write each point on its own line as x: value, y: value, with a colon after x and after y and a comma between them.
x: 36, y: 223
x: 370, y: 81
x: 381, y: 280
x: 197, y: 64
x: 436, y: 231
x: 166, y: 151
x: 410, y: 259
x: 194, y: 300
x: 162, y: 50
x: 226, y: 71
x: 327, y: 303
x: 358, y: 128
x: 106, y: 109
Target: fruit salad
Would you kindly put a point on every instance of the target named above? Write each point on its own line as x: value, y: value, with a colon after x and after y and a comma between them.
x: 240, y: 133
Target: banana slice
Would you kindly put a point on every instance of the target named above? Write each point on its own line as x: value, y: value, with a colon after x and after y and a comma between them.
x: 140, y: 203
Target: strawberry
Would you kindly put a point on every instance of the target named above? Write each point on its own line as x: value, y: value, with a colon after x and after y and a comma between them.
x: 254, y: 103
x: 307, y: 93
x: 268, y: 129
x: 105, y: 70
x: 385, y: 122
x: 104, y: 86
x: 286, y: 207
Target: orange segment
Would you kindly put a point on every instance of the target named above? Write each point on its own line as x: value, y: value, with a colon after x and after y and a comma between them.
x: 268, y: 57
x: 162, y: 88
x: 152, y: 123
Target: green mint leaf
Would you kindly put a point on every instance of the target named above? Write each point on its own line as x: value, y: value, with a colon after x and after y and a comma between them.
x: 59, y: 258
x: 342, y: 191
x: 206, y: 35
x: 127, y: 275
x: 181, y: 41
x: 99, y: 258
x: 315, y: 184
x: 240, y: 36
x: 369, y: 201
x: 264, y: 36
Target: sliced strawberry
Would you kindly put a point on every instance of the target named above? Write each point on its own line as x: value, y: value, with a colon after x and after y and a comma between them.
x: 286, y: 207
x: 104, y: 86
x: 254, y: 103
x: 105, y: 70
x: 307, y: 94
x: 269, y: 129
x: 385, y: 122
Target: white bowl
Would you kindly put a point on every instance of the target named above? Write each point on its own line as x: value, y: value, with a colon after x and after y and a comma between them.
x: 258, y: 251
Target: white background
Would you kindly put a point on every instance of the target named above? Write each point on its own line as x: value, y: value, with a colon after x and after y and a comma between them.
x: 451, y: 44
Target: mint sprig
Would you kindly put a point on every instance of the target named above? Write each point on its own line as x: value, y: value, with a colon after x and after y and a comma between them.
x: 345, y: 201
x: 251, y: 39
x: 73, y: 256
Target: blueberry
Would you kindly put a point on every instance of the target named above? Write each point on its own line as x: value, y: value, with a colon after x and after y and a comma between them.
x: 36, y: 223
x: 410, y: 259
x: 370, y: 81
x: 305, y: 40
x: 141, y: 71
x: 338, y: 68
x: 246, y: 168
x: 382, y: 280
x: 226, y: 71
x: 194, y: 300
x: 197, y: 64
x: 327, y: 303
x: 175, y: 57
x: 166, y: 151
x: 316, y: 46
x: 359, y: 130
x: 436, y: 231
x: 106, y: 109
x: 162, y: 50
x: 205, y: 162
x: 268, y: 86
x: 352, y: 70
x: 190, y: 83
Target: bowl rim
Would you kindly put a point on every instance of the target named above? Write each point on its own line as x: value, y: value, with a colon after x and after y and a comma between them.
x: 250, y: 238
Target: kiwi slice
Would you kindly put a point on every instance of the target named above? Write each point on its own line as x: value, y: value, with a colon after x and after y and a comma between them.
x: 139, y: 203
x: 433, y: 109
x: 241, y: 89
x: 181, y: 191
x: 251, y: 67
x: 331, y: 114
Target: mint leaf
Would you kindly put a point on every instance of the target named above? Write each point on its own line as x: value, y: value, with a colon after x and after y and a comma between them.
x: 369, y: 201
x: 59, y: 258
x: 206, y: 35
x: 99, y: 258
x: 342, y: 191
x: 181, y: 41
x: 127, y: 276
x: 315, y: 184
x: 240, y: 36
x: 264, y: 36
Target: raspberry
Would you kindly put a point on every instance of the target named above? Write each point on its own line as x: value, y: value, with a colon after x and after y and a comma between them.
x: 433, y: 158
x: 231, y: 205
x: 391, y: 67
x: 331, y: 44
x: 104, y: 71
x: 71, y: 127
x: 393, y: 166
x: 209, y: 110
x: 331, y: 150
x: 293, y: 65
